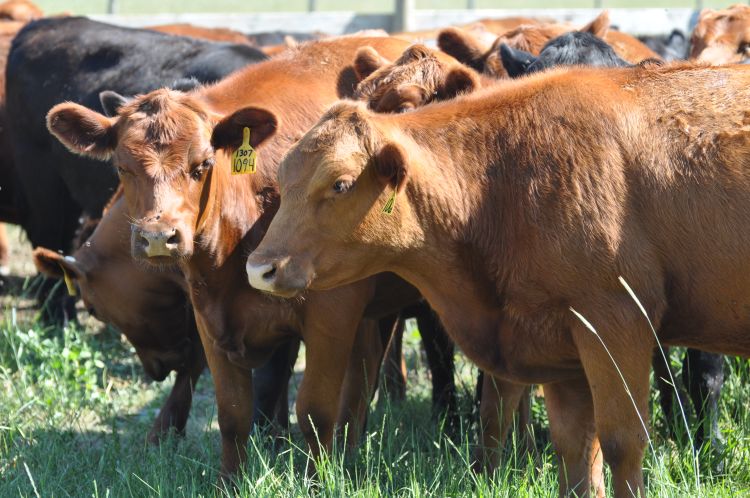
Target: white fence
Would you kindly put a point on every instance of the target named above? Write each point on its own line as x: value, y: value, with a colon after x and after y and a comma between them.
x: 644, y: 21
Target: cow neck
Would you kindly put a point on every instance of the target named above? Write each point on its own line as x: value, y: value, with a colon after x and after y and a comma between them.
x: 448, y: 190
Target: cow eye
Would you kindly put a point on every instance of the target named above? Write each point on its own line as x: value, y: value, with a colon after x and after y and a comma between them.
x: 198, y: 171
x: 343, y: 185
x: 121, y: 171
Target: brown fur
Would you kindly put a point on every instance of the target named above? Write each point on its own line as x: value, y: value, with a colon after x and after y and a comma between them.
x: 419, y: 76
x: 532, y: 38
x: 161, y: 142
x: 722, y: 36
x: 523, y: 201
x: 20, y: 10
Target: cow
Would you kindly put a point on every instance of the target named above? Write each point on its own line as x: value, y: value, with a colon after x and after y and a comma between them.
x: 703, y: 372
x: 673, y: 47
x: 516, y: 210
x: 206, y: 220
x: 570, y: 49
x: 75, y: 59
x: 532, y: 39
x: 722, y: 36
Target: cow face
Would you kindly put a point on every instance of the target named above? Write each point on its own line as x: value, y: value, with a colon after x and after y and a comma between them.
x: 160, y: 145
x: 116, y: 291
x: 331, y: 228
x: 416, y: 78
x: 722, y: 37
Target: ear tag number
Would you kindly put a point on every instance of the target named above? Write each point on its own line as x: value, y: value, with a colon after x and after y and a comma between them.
x: 390, y: 203
x: 244, y: 158
x: 69, y: 283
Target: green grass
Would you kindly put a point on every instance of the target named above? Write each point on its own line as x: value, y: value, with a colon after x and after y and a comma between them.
x: 74, y: 412
x: 147, y: 6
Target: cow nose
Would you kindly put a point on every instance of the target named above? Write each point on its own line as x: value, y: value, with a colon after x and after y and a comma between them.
x: 159, y: 243
x: 262, y: 276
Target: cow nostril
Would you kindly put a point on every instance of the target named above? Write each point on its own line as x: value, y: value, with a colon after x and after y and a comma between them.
x: 174, y: 239
x: 270, y: 273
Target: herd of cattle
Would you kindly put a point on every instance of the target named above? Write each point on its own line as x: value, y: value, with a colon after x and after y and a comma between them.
x: 512, y: 196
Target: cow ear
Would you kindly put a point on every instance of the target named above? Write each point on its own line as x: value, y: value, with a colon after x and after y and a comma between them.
x: 599, y: 26
x: 460, y: 80
x: 460, y: 45
x: 390, y: 166
x: 516, y: 62
x: 367, y: 61
x: 82, y: 130
x: 414, y: 53
x: 51, y: 264
x: 228, y: 132
x: 111, y: 102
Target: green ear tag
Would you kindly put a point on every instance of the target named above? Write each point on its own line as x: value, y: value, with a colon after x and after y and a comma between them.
x: 243, y: 159
x: 69, y: 283
x: 390, y: 203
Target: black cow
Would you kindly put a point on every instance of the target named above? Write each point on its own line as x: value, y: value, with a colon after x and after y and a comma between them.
x: 570, y: 49
x: 673, y: 47
x: 75, y: 59
x: 703, y: 373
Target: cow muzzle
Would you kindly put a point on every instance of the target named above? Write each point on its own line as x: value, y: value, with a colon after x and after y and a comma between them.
x: 161, y: 242
x: 278, y: 276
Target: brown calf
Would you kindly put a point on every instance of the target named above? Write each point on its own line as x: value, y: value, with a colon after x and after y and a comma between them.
x: 188, y: 209
x: 722, y: 36
x: 516, y: 205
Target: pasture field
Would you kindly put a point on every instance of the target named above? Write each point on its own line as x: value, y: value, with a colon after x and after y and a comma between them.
x: 148, y: 7
x: 75, y: 409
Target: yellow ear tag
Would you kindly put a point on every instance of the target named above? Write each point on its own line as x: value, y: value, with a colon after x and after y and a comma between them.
x: 69, y: 283
x: 243, y: 159
x: 390, y: 203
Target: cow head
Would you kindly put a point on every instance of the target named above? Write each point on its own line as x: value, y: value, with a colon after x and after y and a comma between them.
x: 416, y: 78
x: 161, y: 145
x: 723, y: 36
x: 150, y: 309
x: 331, y: 227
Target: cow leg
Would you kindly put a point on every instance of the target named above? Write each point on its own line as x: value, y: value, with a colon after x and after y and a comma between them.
x: 271, y: 382
x: 666, y: 391
x: 234, y: 402
x: 394, y: 367
x: 4, y: 251
x: 499, y: 403
x: 439, y: 349
x: 620, y: 421
x: 176, y: 409
x: 703, y: 375
x: 572, y: 429
x: 360, y: 381
x: 331, y: 322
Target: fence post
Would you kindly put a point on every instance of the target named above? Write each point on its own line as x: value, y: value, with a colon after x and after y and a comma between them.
x: 312, y: 5
x: 403, y: 17
x: 112, y: 6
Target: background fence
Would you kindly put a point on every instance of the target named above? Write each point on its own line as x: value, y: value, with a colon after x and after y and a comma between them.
x: 342, y: 16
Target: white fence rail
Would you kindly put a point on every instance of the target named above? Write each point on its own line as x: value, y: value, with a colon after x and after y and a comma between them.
x: 646, y: 21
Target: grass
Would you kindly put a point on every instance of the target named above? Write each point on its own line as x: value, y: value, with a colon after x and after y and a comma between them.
x: 150, y: 7
x: 75, y: 409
